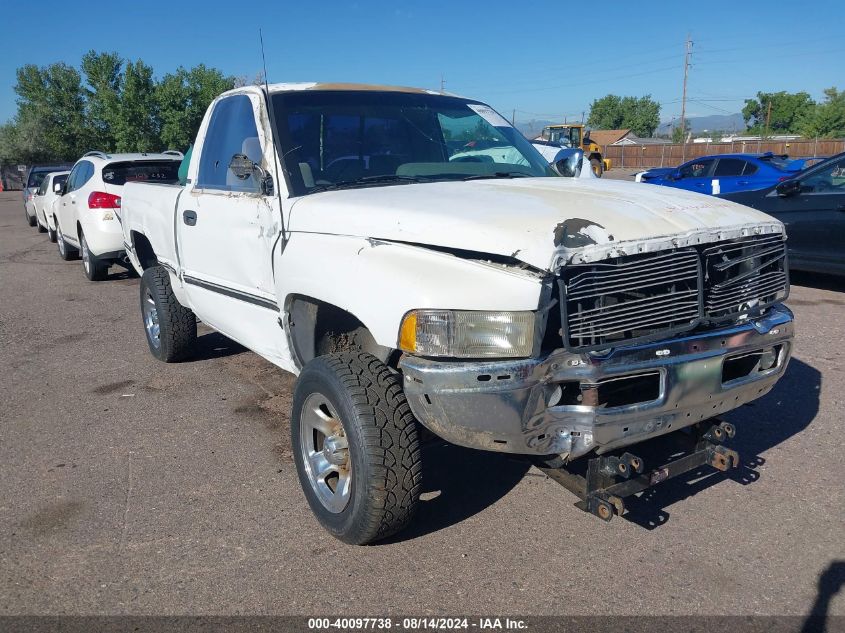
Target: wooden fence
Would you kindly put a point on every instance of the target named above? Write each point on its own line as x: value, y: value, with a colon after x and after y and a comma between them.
x: 671, y: 155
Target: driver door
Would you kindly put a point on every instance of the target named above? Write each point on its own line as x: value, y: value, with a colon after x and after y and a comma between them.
x: 227, y: 228
x: 695, y: 176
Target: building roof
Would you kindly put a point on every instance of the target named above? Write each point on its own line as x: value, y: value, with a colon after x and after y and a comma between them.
x: 608, y: 137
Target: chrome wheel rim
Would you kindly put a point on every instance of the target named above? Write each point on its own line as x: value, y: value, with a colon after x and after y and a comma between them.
x: 86, y: 256
x: 325, y: 453
x: 151, y: 324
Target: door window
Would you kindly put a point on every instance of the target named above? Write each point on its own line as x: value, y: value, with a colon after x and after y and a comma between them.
x: 79, y: 175
x: 729, y: 167
x: 830, y: 179
x: 231, y: 131
x: 697, y: 169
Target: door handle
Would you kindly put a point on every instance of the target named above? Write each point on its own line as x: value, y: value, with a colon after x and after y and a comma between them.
x: 189, y: 217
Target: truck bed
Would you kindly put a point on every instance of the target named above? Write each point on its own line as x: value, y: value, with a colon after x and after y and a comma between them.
x: 149, y: 209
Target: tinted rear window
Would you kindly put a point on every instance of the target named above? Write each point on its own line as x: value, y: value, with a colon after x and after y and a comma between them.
x: 163, y: 171
x: 778, y: 162
x: 36, y: 178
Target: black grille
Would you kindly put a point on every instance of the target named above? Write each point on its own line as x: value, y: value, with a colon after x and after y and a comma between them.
x: 744, y: 275
x: 630, y: 298
x: 644, y: 297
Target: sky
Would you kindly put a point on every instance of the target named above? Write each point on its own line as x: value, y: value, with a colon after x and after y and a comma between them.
x: 543, y: 60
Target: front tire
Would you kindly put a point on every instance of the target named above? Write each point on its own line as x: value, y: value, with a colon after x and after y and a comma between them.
x: 66, y: 251
x: 30, y: 219
x: 597, y: 166
x: 41, y: 227
x: 356, y: 447
x: 170, y: 327
x: 95, y: 269
x: 51, y: 233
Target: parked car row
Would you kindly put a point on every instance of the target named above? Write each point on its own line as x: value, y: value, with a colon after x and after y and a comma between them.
x: 416, y: 261
x: 808, y: 199
x: 80, y: 208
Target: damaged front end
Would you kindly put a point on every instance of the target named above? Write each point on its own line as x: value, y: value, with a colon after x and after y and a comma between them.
x: 635, y: 345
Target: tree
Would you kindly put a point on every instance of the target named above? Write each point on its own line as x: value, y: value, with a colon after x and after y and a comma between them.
x: 183, y: 98
x: 785, y: 116
x: 103, y: 72
x: 826, y: 119
x: 640, y: 114
x: 50, y: 112
x: 679, y: 134
x: 137, y: 127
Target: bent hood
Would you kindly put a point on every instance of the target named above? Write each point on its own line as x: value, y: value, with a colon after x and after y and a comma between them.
x: 540, y: 221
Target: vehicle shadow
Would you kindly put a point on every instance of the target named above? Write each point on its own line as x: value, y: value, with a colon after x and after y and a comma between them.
x: 762, y: 424
x: 214, y: 345
x: 831, y: 581
x: 459, y: 483
x: 454, y: 488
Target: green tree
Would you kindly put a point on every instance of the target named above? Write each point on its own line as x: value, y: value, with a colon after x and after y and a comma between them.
x: 827, y: 119
x: 640, y: 114
x: 787, y: 111
x: 137, y: 127
x: 104, y: 74
x: 679, y: 133
x: 50, y: 111
x: 182, y: 98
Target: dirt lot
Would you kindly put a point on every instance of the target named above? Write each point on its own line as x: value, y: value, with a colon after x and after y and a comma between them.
x: 130, y: 486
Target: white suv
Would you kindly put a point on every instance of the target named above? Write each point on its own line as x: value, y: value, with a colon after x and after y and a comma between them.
x: 87, y: 213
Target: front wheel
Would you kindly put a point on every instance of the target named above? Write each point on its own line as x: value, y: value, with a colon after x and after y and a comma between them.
x: 41, y: 227
x: 171, y: 328
x: 52, y: 235
x: 597, y: 167
x: 356, y: 447
x: 30, y: 219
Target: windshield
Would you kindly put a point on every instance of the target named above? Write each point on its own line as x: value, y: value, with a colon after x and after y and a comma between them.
x: 36, y: 178
x: 340, y: 139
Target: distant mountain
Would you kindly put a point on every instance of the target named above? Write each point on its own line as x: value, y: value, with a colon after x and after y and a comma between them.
x: 713, y: 122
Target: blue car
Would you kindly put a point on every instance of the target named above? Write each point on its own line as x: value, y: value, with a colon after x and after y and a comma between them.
x: 725, y: 173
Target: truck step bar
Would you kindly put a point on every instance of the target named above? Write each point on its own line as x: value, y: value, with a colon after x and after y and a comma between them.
x: 609, y: 479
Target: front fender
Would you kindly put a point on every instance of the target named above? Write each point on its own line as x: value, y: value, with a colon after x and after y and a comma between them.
x: 379, y: 281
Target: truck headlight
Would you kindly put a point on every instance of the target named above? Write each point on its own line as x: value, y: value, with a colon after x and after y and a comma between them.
x: 467, y: 334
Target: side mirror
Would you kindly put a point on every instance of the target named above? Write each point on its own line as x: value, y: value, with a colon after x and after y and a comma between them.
x: 568, y: 162
x: 57, y: 187
x: 788, y: 188
x: 242, y: 167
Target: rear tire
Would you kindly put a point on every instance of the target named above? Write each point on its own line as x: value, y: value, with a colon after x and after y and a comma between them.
x: 170, y: 327
x: 597, y: 167
x: 351, y: 427
x: 95, y: 268
x: 66, y: 251
x: 31, y: 220
x: 41, y: 227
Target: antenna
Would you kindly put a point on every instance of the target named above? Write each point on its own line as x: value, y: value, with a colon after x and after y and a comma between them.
x: 272, y: 116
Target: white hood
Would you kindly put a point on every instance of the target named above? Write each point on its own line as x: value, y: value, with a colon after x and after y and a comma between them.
x: 540, y: 221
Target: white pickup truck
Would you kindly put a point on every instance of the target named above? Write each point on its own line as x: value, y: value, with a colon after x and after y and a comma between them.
x: 415, y: 260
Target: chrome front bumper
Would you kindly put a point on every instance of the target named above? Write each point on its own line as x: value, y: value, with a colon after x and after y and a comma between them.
x: 505, y: 405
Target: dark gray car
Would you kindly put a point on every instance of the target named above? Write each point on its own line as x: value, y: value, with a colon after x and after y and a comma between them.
x: 812, y: 206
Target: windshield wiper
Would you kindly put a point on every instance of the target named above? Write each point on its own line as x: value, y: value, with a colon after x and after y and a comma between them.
x: 366, y: 180
x: 498, y: 174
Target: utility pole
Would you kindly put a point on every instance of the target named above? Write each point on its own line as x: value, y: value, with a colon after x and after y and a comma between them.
x: 768, y: 117
x: 687, y: 54
x: 513, y: 118
x: 442, y: 83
